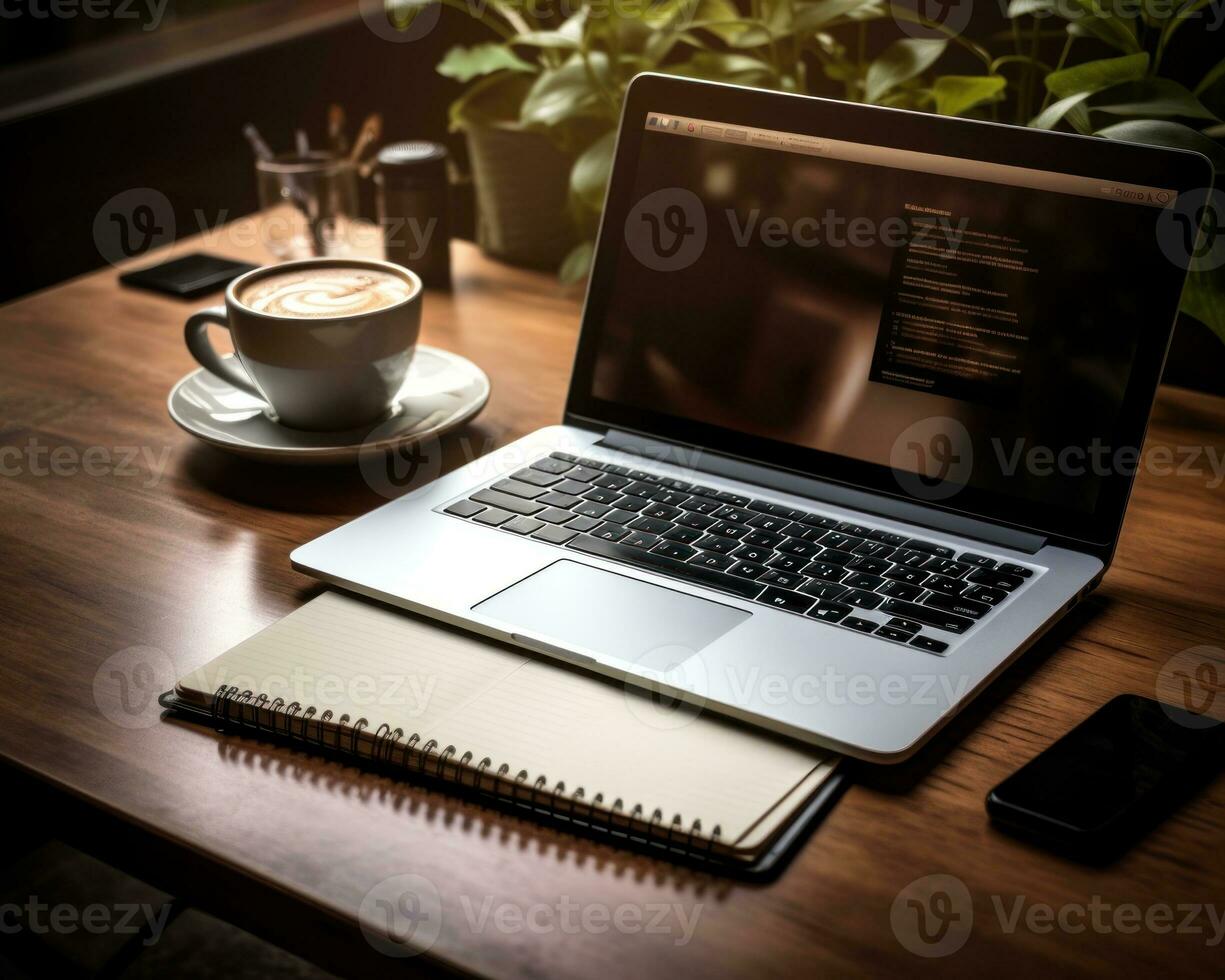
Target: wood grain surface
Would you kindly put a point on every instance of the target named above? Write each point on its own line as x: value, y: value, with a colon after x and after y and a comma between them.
x: 130, y: 554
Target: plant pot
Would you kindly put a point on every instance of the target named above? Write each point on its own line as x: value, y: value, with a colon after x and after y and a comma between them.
x: 522, y: 183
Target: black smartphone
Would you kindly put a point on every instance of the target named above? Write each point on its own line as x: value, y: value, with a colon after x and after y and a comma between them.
x: 1110, y: 779
x: 188, y: 276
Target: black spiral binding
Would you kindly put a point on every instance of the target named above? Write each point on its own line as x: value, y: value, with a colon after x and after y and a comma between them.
x: 231, y: 708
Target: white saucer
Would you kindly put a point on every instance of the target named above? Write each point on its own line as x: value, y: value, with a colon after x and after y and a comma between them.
x: 442, y: 390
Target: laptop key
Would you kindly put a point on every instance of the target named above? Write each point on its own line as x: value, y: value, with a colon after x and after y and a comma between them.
x: 672, y: 498
x: 928, y: 615
x: 611, y: 532
x: 929, y: 644
x: 650, y: 525
x: 464, y: 508
x: 909, y: 558
x: 493, y: 517
x: 893, y: 633
x: 554, y: 515
x: 602, y: 496
x: 911, y: 576
x: 832, y: 556
x: 762, y: 539
x: 582, y: 524
x: 610, y: 482
x: 735, y: 499
x: 536, y: 477
x: 857, y: 530
x: 907, y: 625
x: 589, y: 508
x: 784, y: 580
x: 785, y: 599
x: 726, y: 529
x: 788, y: 563
x: 862, y: 625
x: 505, y: 501
x: 700, y: 505
x: 554, y: 535
x: 958, y: 605
x: 636, y: 504
x: 982, y: 593
x: 641, y: 539
x: 661, y: 512
x: 873, y: 549
x: 862, y: 600
x: 523, y: 525
x: 825, y: 571
x: 525, y: 491
x: 749, y: 553
x: 641, y: 489
x: 747, y: 569
x: 724, y: 546
x: 709, y: 559
x: 862, y: 580
x: 620, y: 516
x: 663, y: 565
x: 829, y: 611
x: 585, y: 473
x: 873, y: 566
x: 566, y: 457
x: 888, y: 537
x: 572, y: 487
x: 699, y: 522
x: 801, y: 549
x: 1020, y: 571
x: 946, y: 566
x: 551, y: 465
x: 993, y: 579
x: 939, y: 550
x: 824, y: 590
x: 685, y: 535
x: 737, y: 515
x: 982, y: 561
x: 674, y: 550
x: 769, y: 522
x: 554, y: 499
x: 900, y: 590
x: 944, y: 586
x: 843, y: 542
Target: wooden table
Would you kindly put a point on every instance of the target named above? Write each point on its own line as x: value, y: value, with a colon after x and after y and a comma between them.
x: 104, y: 557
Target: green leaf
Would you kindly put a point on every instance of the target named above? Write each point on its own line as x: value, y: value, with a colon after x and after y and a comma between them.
x: 1085, y: 17
x: 815, y: 14
x: 900, y: 62
x: 1158, y: 98
x: 589, y: 176
x: 547, y: 39
x: 956, y: 94
x: 1165, y: 133
x: 561, y: 94
x: 741, y: 68
x: 1209, y: 80
x: 1052, y: 115
x: 464, y: 64
x: 1093, y: 76
x: 577, y: 263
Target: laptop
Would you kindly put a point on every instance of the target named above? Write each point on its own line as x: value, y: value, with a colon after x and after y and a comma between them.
x: 853, y: 420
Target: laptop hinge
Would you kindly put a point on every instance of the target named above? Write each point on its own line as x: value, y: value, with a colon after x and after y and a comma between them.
x: 706, y: 461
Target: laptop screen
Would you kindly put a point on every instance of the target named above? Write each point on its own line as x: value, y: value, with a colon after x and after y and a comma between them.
x: 962, y: 323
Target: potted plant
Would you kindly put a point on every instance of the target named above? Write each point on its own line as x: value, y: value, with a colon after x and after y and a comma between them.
x: 1112, y: 70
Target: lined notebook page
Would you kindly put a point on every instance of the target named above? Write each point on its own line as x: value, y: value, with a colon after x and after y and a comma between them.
x: 352, y: 657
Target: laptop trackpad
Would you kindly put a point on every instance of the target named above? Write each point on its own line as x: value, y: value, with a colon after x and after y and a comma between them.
x: 575, y: 606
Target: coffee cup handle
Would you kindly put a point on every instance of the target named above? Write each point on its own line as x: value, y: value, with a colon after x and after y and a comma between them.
x: 196, y: 335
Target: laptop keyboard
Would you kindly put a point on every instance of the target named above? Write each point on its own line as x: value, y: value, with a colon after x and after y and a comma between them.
x: 851, y: 575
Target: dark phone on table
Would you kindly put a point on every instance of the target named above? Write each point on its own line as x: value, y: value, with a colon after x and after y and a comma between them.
x: 1110, y: 779
x: 188, y: 276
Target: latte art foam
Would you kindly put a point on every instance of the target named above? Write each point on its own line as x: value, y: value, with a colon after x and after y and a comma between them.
x: 325, y: 292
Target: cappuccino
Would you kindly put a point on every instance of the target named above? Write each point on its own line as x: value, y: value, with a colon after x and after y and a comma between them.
x: 325, y: 292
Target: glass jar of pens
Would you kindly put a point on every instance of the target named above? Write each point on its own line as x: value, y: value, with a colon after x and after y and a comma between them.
x: 310, y: 196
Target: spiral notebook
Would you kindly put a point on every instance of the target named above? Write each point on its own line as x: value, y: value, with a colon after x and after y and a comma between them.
x: 347, y: 675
